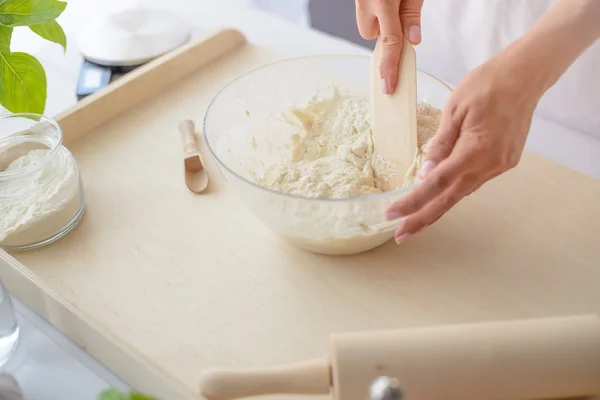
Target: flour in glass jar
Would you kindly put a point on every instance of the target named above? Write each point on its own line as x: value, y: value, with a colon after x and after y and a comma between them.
x: 36, y: 206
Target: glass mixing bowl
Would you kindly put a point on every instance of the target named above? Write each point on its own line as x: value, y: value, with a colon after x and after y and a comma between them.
x: 246, y: 132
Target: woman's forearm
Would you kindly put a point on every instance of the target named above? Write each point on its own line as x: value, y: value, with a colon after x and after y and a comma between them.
x: 566, y: 31
x: 544, y: 53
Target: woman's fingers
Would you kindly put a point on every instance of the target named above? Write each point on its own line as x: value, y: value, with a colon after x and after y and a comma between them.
x: 386, y: 19
x: 391, y: 39
x: 433, y: 210
x: 434, y: 185
x: 367, y: 23
x: 410, y: 17
x: 443, y: 142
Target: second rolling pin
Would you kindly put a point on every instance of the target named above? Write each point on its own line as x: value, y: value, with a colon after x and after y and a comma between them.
x: 548, y: 358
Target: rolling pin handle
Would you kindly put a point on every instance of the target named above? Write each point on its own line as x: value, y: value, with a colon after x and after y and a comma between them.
x: 309, y: 377
x: 385, y: 388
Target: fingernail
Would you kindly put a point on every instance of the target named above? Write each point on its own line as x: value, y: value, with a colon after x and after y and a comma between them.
x: 402, y: 238
x: 385, y: 88
x: 426, y: 168
x: 414, y: 34
x: 392, y: 215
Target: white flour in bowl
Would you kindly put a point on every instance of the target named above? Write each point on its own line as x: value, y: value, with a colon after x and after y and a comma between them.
x: 36, y: 207
x: 335, y: 159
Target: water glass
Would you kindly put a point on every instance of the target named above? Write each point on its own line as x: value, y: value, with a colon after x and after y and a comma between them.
x: 9, y: 327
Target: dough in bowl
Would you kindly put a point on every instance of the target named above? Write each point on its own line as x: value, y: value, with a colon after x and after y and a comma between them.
x: 334, y: 157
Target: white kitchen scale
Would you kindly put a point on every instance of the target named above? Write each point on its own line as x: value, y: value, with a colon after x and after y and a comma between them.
x: 116, y: 44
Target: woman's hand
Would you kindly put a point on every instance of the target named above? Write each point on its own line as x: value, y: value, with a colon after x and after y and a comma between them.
x: 481, y: 135
x: 389, y: 19
x: 486, y: 121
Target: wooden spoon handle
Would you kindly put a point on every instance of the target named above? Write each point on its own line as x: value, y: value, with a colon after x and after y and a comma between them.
x: 310, y: 377
x: 188, y: 136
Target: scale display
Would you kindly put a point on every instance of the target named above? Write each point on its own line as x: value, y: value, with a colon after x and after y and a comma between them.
x: 94, y: 77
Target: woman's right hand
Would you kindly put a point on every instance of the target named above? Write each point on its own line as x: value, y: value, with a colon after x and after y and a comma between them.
x: 389, y: 19
x: 482, y: 134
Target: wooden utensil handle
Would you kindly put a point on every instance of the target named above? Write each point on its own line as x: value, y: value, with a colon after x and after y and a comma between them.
x: 310, y: 377
x: 394, y: 116
x: 188, y: 136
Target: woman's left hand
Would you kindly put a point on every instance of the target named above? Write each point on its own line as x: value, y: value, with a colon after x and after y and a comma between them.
x: 389, y: 20
x: 481, y: 135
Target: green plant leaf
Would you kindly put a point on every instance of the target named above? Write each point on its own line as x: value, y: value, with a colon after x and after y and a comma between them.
x: 112, y: 394
x: 22, y: 83
x: 29, y: 12
x: 115, y: 394
x: 138, y: 396
x: 51, y: 31
x: 5, y: 35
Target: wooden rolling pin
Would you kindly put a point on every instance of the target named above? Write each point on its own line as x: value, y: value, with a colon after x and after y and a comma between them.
x: 548, y: 358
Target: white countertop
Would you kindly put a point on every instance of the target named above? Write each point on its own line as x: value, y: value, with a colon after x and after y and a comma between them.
x: 47, y: 364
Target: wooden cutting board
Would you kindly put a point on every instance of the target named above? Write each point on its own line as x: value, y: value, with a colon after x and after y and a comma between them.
x: 159, y: 284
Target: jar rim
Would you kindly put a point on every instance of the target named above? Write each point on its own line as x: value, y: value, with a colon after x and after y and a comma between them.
x: 14, y: 137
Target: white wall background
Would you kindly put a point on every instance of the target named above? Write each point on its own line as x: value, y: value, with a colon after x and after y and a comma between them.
x: 293, y: 10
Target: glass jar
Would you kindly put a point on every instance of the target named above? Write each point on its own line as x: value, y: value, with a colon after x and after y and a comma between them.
x: 41, y: 196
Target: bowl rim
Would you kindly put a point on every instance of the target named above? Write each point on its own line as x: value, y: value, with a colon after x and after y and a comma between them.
x: 363, y: 197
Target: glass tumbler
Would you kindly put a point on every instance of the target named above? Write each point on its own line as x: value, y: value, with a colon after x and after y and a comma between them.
x: 9, y: 327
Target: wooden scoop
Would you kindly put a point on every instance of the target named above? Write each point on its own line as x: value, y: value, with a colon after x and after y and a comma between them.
x: 551, y: 358
x: 196, y: 177
x: 394, y: 116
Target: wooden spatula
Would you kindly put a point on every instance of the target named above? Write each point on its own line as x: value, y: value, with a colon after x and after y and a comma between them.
x: 394, y: 117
